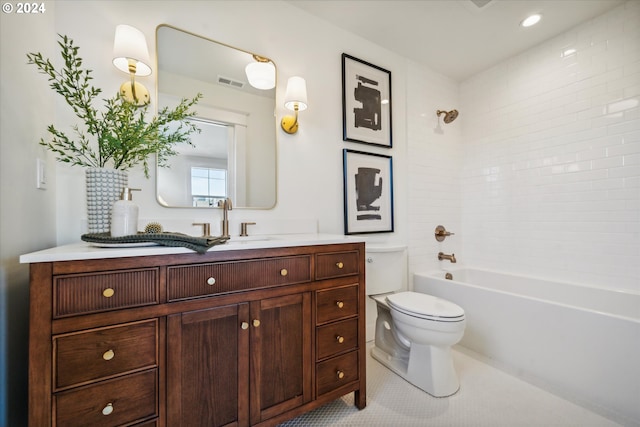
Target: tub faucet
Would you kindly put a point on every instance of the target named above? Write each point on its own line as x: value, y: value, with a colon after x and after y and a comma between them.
x: 443, y: 256
x: 226, y: 207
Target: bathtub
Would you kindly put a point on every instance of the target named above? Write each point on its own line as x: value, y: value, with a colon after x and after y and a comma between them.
x: 580, y: 342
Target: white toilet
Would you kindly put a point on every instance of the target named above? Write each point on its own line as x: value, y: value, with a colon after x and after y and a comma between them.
x: 414, y: 332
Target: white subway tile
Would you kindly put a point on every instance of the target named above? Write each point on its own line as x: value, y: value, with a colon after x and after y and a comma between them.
x: 623, y: 149
x: 544, y: 170
x: 626, y: 171
x: 624, y: 127
x: 610, y: 162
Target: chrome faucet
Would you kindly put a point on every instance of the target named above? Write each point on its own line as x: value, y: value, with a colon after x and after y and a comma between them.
x: 226, y: 207
x: 442, y: 256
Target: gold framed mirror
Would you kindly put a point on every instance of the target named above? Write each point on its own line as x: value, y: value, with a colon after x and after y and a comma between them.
x: 235, y: 155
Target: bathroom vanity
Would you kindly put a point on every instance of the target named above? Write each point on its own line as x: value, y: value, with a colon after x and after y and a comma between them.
x: 249, y: 333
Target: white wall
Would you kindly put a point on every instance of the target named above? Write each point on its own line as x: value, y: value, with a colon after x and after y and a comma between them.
x: 27, y: 215
x: 309, y: 162
x: 434, y: 168
x: 551, y: 157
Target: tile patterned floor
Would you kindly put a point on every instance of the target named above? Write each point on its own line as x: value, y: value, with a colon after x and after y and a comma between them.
x: 488, y: 397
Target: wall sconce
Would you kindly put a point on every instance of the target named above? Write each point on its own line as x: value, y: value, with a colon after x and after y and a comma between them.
x: 294, y: 100
x: 131, y: 55
x: 262, y: 73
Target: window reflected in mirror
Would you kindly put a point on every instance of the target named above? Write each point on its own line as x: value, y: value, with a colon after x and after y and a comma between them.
x: 208, y: 186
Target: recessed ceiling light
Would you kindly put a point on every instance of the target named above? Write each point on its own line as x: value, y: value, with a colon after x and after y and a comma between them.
x: 531, y: 20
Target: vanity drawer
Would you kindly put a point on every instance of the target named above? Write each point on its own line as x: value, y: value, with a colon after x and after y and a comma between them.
x: 337, y: 264
x: 100, y: 353
x: 90, y: 293
x: 336, y: 338
x: 337, y: 303
x: 216, y: 278
x: 336, y: 372
x: 121, y: 401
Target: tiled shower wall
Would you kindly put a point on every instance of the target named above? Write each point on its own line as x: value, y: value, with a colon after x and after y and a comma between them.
x: 550, y: 160
x: 434, y: 159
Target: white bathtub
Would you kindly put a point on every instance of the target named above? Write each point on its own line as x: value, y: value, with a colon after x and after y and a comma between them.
x: 580, y: 342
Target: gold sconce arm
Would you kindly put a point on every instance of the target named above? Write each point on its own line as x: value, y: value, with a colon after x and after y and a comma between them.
x: 132, y: 91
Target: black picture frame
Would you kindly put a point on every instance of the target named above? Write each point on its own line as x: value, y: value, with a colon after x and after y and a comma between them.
x: 366, y: 103
x: 368, y: 192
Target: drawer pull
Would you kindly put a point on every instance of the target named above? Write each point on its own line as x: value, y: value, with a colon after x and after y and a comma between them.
x: 108, y: 293
x: 211, y: 281
x: 340, y: 375
x: 256, y: 323
x: 244, y: 325
x: 339, y: 265
x: 340, y: 304
x: 340, y: 339
x: 108, y: 355
x: 284, y: 272
x: 107, y: 410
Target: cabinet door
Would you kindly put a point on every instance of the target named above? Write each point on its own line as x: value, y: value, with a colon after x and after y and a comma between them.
x: 281, y: 363
x: 207, y: 375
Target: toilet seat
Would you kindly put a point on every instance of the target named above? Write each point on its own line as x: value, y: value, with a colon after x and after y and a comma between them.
x: 425, y: 306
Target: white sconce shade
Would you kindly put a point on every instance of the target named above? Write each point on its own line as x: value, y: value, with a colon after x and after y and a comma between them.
x: 130, y: 48
x: 261, y: 75
x: 296, y: 95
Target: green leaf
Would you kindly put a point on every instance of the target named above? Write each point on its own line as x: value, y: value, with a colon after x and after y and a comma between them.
x: 121, y: 133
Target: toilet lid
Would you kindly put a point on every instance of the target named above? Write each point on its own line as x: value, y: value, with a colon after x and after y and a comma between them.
x: 425, y: 306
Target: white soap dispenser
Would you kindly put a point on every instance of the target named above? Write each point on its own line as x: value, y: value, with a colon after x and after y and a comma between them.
x: 124, y: 216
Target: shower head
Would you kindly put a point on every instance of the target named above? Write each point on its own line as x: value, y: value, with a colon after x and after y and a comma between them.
x: 449, y: 116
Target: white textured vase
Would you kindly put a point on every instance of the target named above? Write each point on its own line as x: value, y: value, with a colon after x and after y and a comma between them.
x: 103, y: 190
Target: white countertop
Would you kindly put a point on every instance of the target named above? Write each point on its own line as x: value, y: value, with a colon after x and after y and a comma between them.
x: 83, y: 250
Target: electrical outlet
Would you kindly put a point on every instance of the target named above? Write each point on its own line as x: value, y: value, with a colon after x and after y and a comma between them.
x: 41, y: 175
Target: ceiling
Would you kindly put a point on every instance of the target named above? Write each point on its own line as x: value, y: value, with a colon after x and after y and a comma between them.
x: 455, y: 37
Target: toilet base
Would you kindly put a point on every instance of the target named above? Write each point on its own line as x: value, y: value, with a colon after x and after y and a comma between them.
x: 432, y: 369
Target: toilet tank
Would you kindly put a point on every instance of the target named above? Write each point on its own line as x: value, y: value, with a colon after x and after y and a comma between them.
x: 386, y: 268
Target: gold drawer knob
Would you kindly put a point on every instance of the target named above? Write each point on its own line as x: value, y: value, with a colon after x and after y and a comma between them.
x: 107, y: 410
x: 108, y: 293
x: 340, y: 339
x: 284, y: 272
x: 108, y: 355
x: 340, y: 304
x: 340, y: 375
x: 339, y: 265
x: 244, y: 325
x: 256, y: 323
x: 211, y: 281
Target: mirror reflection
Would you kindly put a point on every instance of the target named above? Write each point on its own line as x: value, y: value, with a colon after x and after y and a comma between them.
x: 235, y: 153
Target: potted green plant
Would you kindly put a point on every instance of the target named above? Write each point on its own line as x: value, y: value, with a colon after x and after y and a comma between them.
x: 112, y: 139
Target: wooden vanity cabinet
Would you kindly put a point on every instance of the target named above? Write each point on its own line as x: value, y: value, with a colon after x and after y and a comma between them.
x: 228, y: 338
x: 239, y: 363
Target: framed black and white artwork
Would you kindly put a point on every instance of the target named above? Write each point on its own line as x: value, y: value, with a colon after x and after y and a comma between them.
x: 366, y: 102
x: 368, y: 192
